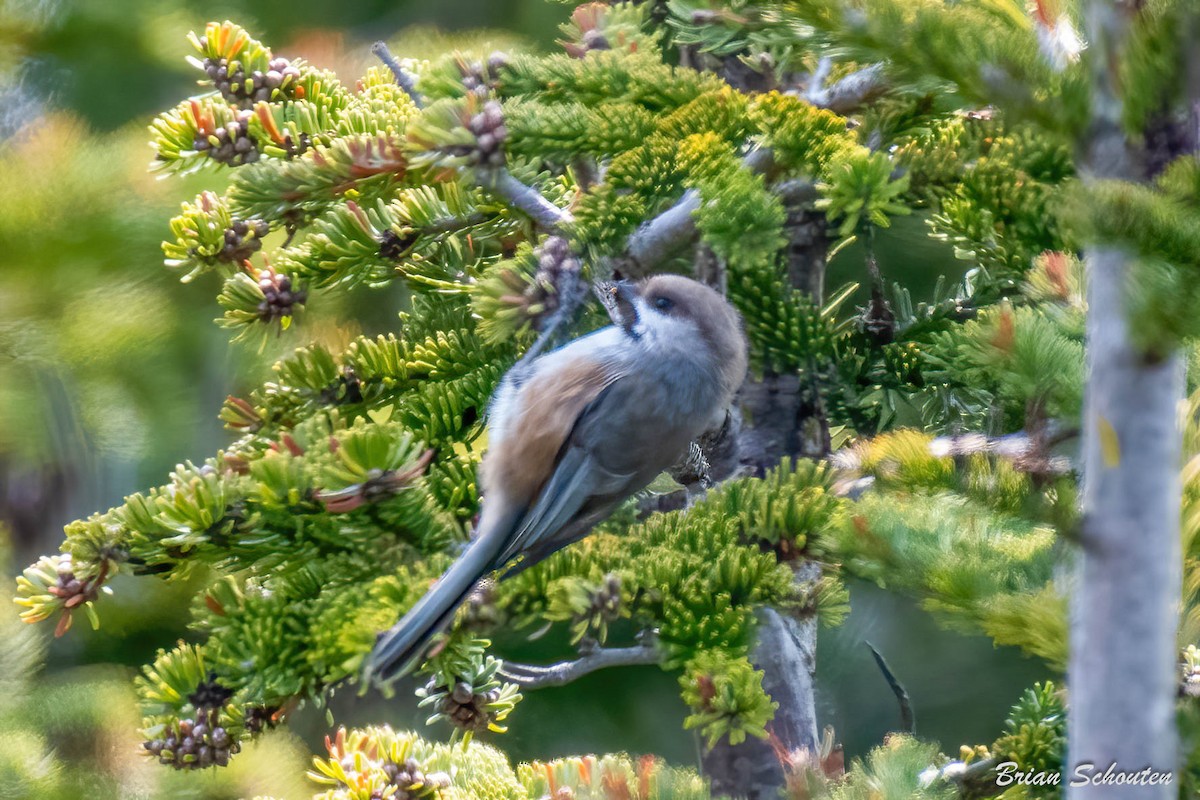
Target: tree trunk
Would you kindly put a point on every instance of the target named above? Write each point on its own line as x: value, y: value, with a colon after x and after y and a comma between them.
x: 1122, y: 672
x: 785, y: 418
x: 787, y: 654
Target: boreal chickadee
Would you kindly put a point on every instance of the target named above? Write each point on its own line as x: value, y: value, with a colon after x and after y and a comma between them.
x: 578, y: 430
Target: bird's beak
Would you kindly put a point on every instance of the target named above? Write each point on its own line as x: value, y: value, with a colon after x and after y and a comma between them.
x: 618, y: 300
x: 623, y: 310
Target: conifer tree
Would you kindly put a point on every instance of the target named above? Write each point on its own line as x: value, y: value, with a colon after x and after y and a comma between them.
x: 923, y: 445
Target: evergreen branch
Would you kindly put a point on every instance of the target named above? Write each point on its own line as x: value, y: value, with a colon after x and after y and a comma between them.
x: 908, y: 722
x: 530, y: 676
x: 548, y: 216
x: 403, y: 79
x: 657, y: 238
x: 849, y: 93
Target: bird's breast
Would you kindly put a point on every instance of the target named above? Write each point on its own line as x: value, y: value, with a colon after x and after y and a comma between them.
x: 682, y: 389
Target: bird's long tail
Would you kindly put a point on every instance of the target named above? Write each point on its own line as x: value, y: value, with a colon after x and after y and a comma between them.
x: 400, y: 649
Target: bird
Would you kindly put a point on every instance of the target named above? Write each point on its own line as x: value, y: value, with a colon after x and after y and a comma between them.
x: 578, y: 430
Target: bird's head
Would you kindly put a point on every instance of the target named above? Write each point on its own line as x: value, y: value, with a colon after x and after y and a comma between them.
x: 677, y: 312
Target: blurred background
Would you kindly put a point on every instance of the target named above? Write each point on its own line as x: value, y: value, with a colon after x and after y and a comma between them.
x: 111, y: 372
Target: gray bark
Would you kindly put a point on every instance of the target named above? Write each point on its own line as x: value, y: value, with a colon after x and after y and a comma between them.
x: 790, y: 643
x: 545, y: 214
x: 807, y: 239
x: 1122, y: 672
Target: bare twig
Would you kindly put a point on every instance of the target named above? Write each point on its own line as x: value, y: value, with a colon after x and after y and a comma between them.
x: 403, y: 79
x: 530, y: 676
x: 908, y: 723
x: 545, y: 214
x: 973, y: 780
x: 847, y: 94
x: 659, y: 237
x: 816, y: 83
x: 451, y: 224
x: 1012, y: 446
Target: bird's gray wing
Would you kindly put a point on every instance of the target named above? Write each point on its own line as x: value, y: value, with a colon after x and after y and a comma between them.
x: 584, y: 470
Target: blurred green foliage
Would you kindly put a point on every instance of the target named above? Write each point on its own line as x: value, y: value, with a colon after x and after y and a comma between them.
x: 74, y: 733
x: 115, y: 61
x: 80, y: 227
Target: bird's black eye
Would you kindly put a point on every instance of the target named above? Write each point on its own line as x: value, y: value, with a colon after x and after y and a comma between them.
x: 663, y: 303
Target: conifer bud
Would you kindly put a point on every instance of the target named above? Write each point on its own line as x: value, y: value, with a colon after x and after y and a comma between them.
x: 230, y: 144
x: 244, y: 90
x: 556, y: 265
x: 279, y: 296
x: 481, y: 77
x: 70, y: 589
x: 490, y: 134
x: 196, y: 742
x: 463, y: 706
x: 411, y: 782
x: 243, y: 238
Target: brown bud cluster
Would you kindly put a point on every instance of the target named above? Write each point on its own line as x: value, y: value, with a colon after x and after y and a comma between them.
x: 195, y: 743
x: 490, y: 133
x: 72, y: 590
x: 243, y: 238
x: 230, y: 144
x: 481, y: 77
x: 210, y: 694
x: 591, y: 39
x: 244, y: 89
x: 411, y: 782
x: 464, y: 707
x: 279, y: 296
x: 606, y: 600
x: 555, y: 262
